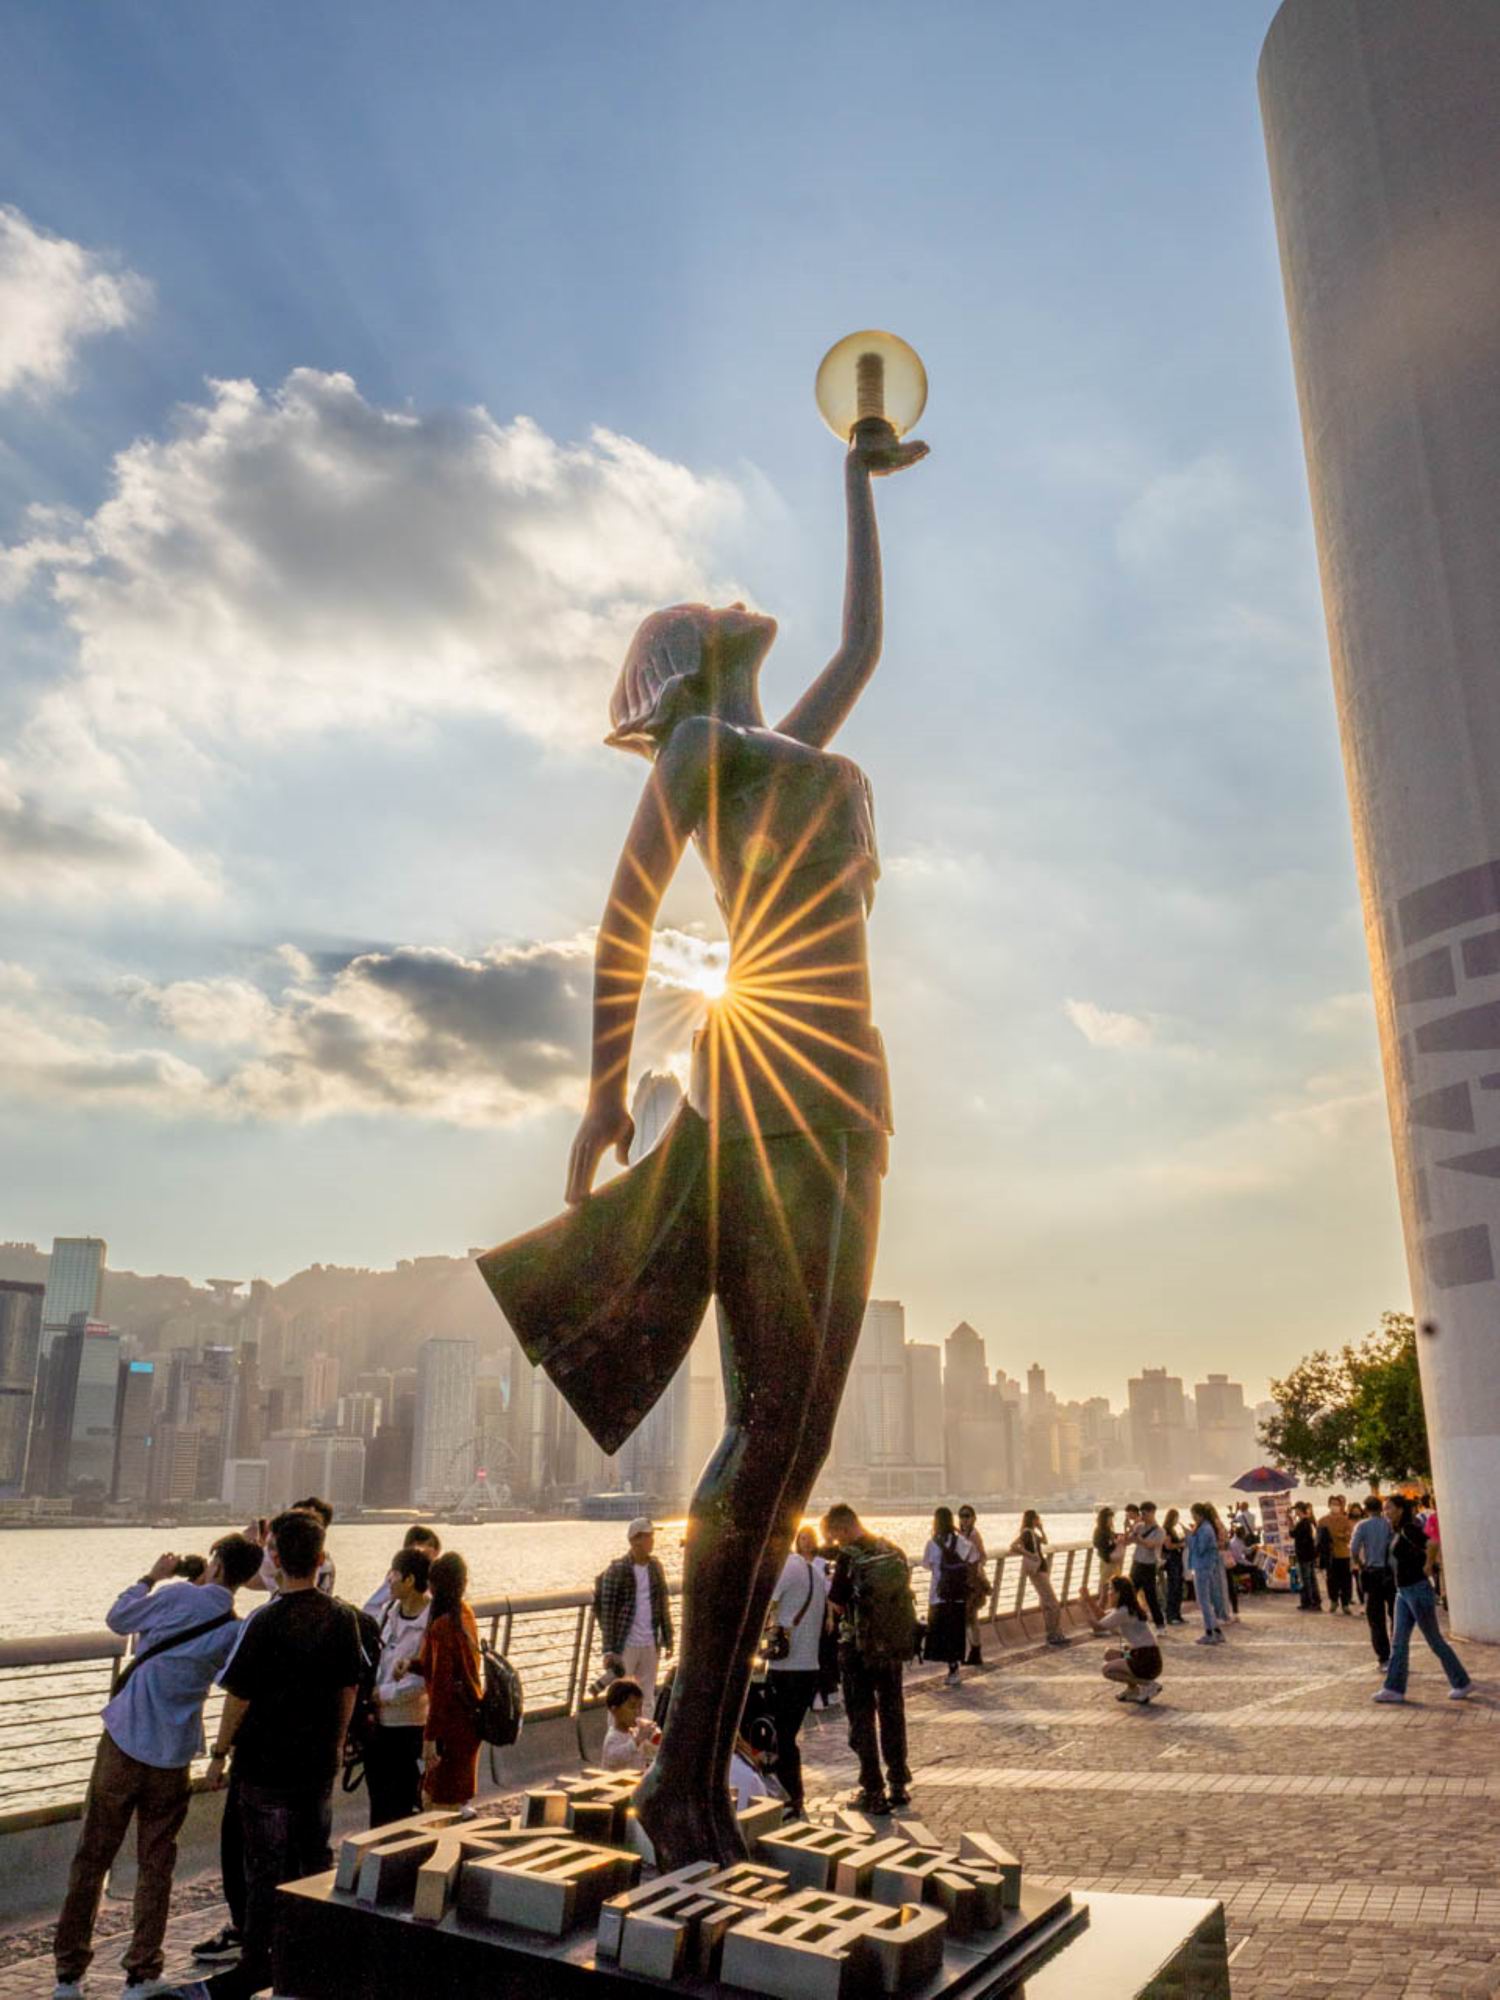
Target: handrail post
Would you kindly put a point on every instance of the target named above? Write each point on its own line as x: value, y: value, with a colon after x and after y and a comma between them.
x: 574, y: 1674
x: 1067, y: 1588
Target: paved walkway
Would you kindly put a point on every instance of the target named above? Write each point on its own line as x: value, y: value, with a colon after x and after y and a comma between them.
x: 1356, y: 1849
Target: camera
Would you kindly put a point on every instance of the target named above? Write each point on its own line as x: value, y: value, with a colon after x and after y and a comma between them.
x: 190, y: 1567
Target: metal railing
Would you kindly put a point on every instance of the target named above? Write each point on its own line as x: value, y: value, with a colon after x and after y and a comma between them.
x: 52, y: 1689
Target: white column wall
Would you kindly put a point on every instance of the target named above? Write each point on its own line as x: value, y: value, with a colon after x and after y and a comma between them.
x: 1382, y: 121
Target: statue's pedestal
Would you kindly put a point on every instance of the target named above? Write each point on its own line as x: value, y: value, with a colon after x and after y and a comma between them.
x: 1056, y: 1947
x: 563, y: 1902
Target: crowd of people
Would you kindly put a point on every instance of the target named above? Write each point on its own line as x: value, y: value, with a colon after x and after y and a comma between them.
x: 313, y: 1686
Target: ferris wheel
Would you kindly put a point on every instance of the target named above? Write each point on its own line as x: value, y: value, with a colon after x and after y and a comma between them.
x: 480, y: 1474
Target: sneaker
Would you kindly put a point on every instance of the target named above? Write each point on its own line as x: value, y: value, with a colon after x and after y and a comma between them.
x: 875, y: 1803
x: 1461, y: 1694
x: 900, y: 1801
x: 149, y: 1989
x: 1057, y: 1639
x: 1387, y: 1694
x: 953, y: 1677
x: 68, y: 1989
x: 222, y: 1948
x: 975, y: 1658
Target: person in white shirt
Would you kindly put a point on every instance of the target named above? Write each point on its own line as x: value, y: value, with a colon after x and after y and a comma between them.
x: 1147, y: 1541
x: 799, y: 1609
x: 632, y: 1612
x: 631, y: 1738
x: 393, y: 1754
x: 418, y: 1536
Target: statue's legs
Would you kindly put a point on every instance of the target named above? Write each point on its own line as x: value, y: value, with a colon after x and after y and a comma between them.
x: 796, y: 1246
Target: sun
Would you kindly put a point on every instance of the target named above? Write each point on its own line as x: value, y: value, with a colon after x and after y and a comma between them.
x: 712, y: 981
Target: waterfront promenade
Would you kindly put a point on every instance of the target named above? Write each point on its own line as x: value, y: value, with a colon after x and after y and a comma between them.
x: 1356, y: 1849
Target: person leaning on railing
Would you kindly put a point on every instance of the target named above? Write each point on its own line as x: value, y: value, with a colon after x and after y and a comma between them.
x: 153, y: 1728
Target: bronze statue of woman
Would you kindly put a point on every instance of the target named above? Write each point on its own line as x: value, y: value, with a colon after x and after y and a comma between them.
x: 765, y: 1191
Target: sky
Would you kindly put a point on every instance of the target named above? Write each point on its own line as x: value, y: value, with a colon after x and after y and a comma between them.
x: 367, y: 372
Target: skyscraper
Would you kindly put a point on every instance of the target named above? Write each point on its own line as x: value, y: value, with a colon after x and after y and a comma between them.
x: 1226, y: 1429
x: 133, y: 1430
x: 20, y: 1351
x: 75, y: 1284
x: 83, y: 1393
x: 443, y: 1441
x: 1158, y: 1426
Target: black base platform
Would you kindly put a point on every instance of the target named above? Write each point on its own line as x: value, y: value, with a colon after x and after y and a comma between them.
x: 1055, y: 1947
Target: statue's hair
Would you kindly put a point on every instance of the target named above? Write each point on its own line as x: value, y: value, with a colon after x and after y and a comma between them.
x: 664, y: 658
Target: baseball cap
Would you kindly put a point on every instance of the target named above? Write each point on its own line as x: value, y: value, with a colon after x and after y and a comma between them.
x: 641, y: 1525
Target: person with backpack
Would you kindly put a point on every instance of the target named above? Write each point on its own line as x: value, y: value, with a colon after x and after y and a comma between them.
x: 393, y: 1746
x: 450, y: 1665
x: 870, y: 1596
x: 153, y: 1728
x: 1036, y: 1560
x: 798, y: 1614
x: 948, y: 1558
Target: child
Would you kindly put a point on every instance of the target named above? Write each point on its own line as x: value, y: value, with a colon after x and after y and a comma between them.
x: 630, y: 1740
x: 1138, y: 1661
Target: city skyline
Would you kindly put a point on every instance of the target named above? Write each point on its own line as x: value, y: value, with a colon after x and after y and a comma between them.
x: 239, y: 1401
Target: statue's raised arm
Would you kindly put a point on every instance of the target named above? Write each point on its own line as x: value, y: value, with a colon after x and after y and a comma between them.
x: 873, y: 452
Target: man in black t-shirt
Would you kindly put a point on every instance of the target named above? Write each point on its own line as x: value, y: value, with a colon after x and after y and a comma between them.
x: 289, y: 1692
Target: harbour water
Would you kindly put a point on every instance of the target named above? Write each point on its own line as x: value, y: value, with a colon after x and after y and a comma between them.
x: 57, y: 1580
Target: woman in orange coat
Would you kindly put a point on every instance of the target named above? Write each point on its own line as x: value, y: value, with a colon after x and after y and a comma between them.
x: 449, y: 1663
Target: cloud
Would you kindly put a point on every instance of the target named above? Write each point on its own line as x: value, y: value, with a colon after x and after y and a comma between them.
x: 417, y: 1031
x: 304, y: 560
x: 86, y: 855
x: 53, y: 296
x: 1105, y: 1030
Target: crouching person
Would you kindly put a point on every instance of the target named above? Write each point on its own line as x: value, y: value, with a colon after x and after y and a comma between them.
x: 1136, y: 1661
x: 153, y: 1729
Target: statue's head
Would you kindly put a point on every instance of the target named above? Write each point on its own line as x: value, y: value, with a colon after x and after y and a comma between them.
x: 687, y: 660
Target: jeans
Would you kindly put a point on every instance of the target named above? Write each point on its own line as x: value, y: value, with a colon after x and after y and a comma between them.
x: 1203, y: 1588
x: 1172, y: 1563
x: 286, y: 1836
x: 121, y: 1788
x: 1380, y: 1604
x: 393, y: 1772
x: 1311, y: 1600
x: 791, y: 1691
x: 874, y: 1693
x: 232, y: 1855
x: 1416, y: 1604
x: 1340, y: 1581
x: 1143, y: 1576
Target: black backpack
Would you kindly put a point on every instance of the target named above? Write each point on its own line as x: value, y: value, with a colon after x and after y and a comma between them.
x: 883, y: 1615
x: 953, y: 1574
x: 501, y: 1708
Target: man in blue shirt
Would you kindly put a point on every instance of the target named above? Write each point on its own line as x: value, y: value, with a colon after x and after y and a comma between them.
x: 153, y: 1728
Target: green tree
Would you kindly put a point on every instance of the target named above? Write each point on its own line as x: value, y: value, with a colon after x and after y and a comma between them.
x: 1353, y: 1415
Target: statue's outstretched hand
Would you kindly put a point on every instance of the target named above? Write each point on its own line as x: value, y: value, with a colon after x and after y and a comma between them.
x: 604, y: 1125
x: 881, y: 453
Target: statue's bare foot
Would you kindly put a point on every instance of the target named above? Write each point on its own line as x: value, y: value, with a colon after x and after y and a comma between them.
x: 676, y: 1822
x: 728, y: 1842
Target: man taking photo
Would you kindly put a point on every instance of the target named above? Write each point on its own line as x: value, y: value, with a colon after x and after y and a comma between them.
x: 153, y: 1729
x: 289, y: 1692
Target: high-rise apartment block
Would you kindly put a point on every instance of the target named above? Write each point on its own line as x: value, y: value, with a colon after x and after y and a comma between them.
x: 443, y: 1437
x: 20, y: 1351
x: 1160, y: 1440
x: 83, y: 1391
x: 1226, y: 1429
x: 133, y: 1431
